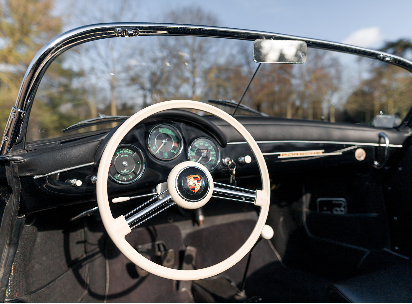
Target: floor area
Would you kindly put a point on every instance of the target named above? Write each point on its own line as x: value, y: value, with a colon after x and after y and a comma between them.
x: 58, y: 260
x: 268, y: 280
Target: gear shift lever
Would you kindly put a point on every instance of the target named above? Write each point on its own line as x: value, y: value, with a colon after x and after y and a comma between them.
x: 267, y: 234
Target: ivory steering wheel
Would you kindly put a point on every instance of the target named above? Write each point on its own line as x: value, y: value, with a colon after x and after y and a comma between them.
x: 118, y: 228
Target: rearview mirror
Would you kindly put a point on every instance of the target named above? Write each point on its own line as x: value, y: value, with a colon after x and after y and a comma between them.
x: 279, y: 51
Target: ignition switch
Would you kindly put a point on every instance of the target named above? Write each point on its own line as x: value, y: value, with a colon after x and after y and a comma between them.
x: 75, y: 182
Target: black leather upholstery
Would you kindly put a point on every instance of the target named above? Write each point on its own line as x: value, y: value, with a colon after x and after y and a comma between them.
x: 392, y: 284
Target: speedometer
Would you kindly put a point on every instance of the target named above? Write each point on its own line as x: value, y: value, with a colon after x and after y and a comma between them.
x: 205, y: 152
x: 165, y: 142
x: 127, y: 164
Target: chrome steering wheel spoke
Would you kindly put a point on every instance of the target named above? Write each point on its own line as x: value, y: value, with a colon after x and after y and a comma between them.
x: 160, y: 202
x: 135, y: 217
x: 234, y: 193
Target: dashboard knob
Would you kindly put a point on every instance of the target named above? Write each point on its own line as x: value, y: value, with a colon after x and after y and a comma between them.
x: 267, y: 232
x: 245, y: 159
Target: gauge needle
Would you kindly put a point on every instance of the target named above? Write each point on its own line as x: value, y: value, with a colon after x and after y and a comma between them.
x: 201, y: 156
x: 163, y: 142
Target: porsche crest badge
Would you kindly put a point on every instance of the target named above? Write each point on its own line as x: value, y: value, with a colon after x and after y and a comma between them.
x: 194, y: 183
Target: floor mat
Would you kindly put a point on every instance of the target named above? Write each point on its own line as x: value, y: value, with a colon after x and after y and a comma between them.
x: 267, y: 278
x: 275, y: 283
x: 126, y: 286
x: 217, y: 289
x: 216, y: 243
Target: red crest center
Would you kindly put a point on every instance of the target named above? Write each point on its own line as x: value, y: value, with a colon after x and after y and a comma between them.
x: 194, y: 182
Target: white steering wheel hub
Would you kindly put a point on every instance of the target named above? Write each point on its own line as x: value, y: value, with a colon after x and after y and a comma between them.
x: 190, y: 185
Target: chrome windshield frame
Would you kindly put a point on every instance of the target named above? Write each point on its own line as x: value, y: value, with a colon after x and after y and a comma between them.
x: 14, y: 133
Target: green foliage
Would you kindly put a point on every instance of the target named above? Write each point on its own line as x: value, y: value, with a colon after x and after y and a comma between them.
x: 59, y: 102
x: 25, y: 26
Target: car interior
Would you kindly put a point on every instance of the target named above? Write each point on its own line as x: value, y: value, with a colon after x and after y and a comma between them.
x: 339, y: 200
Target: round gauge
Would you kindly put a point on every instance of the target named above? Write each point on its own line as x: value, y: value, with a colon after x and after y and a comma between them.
x: 165, y: 142
x: 127, y: 164
x: 205, y: 152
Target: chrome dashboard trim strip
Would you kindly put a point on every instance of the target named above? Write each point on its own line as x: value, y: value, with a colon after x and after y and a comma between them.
x: 303, y: 153
x: 316, y: 142
x: 338, y: 152
x: 63, y: 170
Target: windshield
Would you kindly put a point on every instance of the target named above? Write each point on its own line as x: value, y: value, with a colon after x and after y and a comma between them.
x: 118, y: 77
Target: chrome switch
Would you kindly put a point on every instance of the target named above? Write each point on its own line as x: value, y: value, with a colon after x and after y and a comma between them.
x: 75, y: 182
x: 245, y: 160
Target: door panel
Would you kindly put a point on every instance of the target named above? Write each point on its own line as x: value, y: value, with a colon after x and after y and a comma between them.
x: 398, y: 194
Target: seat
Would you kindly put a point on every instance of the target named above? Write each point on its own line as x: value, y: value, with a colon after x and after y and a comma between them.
x: 391, y: 284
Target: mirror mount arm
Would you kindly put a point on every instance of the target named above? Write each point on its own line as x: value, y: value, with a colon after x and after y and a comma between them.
x: 243, y: 95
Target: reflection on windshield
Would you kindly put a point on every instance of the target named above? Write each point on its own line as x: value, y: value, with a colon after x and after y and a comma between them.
x: 122, y: 76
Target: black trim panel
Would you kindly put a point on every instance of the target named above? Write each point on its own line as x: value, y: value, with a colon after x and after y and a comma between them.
x: 275, y: 129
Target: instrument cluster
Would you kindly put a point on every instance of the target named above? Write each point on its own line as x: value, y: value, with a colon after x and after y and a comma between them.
x: 164, y: 143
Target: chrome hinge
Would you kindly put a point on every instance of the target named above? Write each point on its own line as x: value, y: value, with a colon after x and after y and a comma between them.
x: 15, y: 113
x: 15, y: 109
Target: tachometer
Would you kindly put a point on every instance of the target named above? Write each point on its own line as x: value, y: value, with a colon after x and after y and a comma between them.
x: 205, y: 152
x: 127, y: 164
x: 165, y: 142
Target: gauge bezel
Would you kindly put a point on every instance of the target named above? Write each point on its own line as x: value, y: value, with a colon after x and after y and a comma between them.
x: 143, y: 165
x: 178, y: 134
x: 217, y: 147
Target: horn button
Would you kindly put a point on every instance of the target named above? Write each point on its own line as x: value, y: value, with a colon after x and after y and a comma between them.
x: 190, y: 185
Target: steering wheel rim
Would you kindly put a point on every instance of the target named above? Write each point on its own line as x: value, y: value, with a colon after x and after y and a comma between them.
x: 118, y: 228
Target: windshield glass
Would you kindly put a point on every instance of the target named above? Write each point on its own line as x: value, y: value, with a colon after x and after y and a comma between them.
x: 117, y: 77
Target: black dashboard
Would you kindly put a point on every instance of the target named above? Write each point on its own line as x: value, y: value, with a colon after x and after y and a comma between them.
x: 63, y: 171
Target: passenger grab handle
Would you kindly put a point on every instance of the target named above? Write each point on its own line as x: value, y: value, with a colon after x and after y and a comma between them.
x: 376, y: 163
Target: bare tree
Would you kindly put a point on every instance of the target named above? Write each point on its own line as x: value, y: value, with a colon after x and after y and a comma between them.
x: 105, y: 63
x: 385, y: 88
x: 151, y: 74
x: 192, y: 53
x: 176, y: 67
x: 316, y: 83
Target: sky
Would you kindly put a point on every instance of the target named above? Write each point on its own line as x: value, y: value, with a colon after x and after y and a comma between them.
x: 363, y: 23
